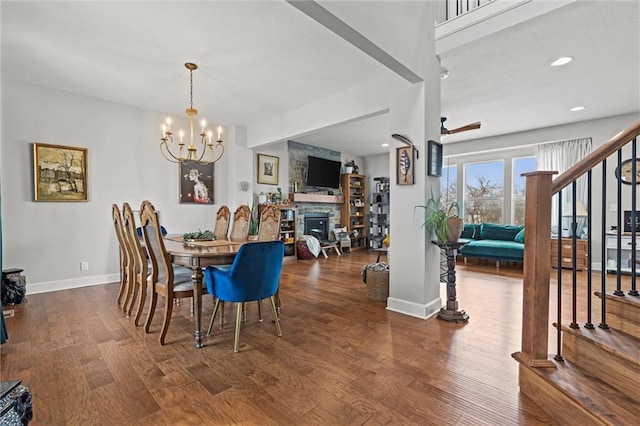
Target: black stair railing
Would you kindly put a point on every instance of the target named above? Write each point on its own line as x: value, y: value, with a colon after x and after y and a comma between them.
x: 541, y: 192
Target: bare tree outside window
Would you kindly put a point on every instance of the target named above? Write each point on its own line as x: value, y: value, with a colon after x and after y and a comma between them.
x: 484, y: 192
x: 520, y: 165
x: 449, y: 184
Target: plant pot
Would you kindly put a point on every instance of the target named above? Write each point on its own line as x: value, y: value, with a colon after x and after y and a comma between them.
x: 253, y: 238
x: 454, y: 229
x: 348, y: 169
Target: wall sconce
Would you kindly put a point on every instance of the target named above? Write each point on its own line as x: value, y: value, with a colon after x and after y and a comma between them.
x: 244, y: 185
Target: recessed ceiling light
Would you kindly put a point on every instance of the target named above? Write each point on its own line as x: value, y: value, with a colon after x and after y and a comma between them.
x: 578, y: 108
x: 385, y: 144
x: 563, y: 60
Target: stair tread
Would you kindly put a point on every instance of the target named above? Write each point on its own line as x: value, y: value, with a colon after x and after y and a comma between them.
x: 631, y: 300
x: 600, y: 398
x: 621, y: 344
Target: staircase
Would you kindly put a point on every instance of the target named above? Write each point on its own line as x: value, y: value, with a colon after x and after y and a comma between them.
x: 594, y: 378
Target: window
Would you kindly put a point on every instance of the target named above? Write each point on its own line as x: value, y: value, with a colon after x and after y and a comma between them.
x: 484, y: 192
x: 449, y: 183
x: 520, y: 165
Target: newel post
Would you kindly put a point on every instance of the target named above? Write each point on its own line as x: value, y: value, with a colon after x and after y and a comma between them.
x: 536, y: 270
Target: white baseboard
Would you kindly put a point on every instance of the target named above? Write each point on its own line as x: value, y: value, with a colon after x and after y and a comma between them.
x: 45, y: 287
x: 418, y: 310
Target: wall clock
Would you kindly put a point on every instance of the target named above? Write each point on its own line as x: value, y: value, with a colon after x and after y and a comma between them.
x: 624, y: 172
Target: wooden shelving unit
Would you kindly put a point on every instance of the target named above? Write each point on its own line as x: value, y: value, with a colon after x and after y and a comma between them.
x: 354, y: 209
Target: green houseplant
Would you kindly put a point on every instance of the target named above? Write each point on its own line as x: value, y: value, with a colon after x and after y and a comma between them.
x: 442, y: 218
x: 253, y: 224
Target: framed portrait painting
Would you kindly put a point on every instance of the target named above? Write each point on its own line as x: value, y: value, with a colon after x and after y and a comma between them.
x: 405, y: 157
x: 434, y: 162
x: 196, y: 183
x: 267, y: 169
x: 59, y: 172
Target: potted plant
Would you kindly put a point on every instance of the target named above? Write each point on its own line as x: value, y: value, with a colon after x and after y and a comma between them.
x: 253, y: 224
x: 442, y: 218
x: 349, y: 166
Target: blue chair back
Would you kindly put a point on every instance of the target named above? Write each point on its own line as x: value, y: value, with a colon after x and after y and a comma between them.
x: 253, y: 275
x: 163, y: 230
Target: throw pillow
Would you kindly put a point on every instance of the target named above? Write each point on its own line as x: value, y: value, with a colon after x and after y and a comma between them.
x: 519, y: 238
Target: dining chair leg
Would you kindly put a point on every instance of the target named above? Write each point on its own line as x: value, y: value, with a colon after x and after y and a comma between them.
x: 193, y: 308
x: 244, y: 313
x: 238, y: 321
x: 152, y: 309
x: 213, y: 317
x: 168, y: 310
x: 260, y: 310
x: 123, y: 284
x: 221, y: 315
x: 276, y: 319
x: 143, y: 299
x: 134, y: 295
x: 127, y: 296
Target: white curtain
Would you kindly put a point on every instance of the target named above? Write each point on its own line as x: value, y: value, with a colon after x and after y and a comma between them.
x: 561, y: 156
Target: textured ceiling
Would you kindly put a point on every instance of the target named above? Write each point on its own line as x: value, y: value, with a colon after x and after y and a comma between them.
x: 260, y: 59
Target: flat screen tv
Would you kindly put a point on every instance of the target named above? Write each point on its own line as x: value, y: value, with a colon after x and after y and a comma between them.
x: 323, y: 173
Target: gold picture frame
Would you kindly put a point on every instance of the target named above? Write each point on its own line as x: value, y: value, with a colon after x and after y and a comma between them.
x: 60, y: 173
x: 268, y: 169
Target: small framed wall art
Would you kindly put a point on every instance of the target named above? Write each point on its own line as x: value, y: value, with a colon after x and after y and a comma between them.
x: 196, y: 183
x: 434, y: 162
x: 405, y: 156
x: 59, y: 173
x: 267, y: 169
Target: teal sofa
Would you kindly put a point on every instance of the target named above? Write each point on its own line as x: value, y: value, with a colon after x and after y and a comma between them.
x: 493, y: 241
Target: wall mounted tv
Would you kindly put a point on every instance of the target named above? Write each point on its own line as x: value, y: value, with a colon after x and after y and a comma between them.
x: 322, y: 172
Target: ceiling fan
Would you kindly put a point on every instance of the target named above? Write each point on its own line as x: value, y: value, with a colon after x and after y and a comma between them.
x: 445, y: 131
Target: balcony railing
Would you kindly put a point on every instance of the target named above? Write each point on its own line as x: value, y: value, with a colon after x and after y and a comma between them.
x: 453, y: 8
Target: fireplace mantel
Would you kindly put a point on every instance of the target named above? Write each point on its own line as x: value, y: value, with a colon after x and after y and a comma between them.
x: 299, y: 197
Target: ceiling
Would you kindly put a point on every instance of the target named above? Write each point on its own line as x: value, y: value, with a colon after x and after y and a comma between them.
x: 258, y: 60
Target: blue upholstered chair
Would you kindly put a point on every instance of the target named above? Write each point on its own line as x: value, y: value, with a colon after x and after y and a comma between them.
x: 254, y: 275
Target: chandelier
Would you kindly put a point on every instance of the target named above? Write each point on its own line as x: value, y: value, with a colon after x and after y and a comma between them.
x: 203, y: 153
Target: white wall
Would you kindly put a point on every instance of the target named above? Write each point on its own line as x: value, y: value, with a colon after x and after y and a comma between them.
x: 50, y: 239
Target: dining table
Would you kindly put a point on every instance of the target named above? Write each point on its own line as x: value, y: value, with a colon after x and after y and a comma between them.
x: 196, y: 255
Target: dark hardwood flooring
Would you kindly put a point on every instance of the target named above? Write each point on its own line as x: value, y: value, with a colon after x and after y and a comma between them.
x: 342, y: 360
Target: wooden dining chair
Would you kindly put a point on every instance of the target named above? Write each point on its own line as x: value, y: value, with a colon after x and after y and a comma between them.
x: 223, y: 217
x: 269, y: 228
x: 126, y: 260
x: 164, y: 280
x: 140, y: 261
x: 253, y: 276
x: 241, y: 221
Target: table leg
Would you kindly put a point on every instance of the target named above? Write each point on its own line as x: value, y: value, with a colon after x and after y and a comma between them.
x: 197, y: 302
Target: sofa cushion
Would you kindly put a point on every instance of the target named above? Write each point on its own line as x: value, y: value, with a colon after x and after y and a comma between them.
x: 471, y: 231
x: 494, y: 249
x: 519, y: 238
x: 493, y: 231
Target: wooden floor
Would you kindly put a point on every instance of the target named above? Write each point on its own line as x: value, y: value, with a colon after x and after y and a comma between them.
x: 342, y: 360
